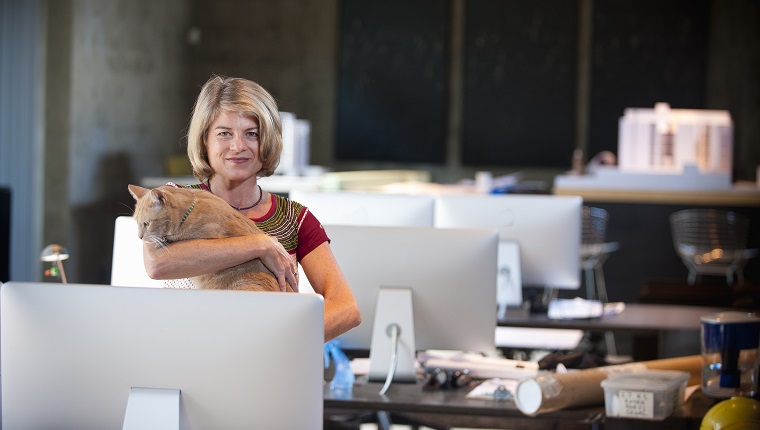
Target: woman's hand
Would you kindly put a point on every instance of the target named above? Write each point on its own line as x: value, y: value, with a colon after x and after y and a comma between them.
x: 279, y: 262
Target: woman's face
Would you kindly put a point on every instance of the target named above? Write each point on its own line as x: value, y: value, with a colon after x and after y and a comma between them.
x: 232, y: 144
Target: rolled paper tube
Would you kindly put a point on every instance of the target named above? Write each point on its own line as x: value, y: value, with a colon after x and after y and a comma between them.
x: 550, y: 391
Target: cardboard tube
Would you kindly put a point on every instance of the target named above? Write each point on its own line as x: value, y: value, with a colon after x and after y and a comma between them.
x: 549, y: 391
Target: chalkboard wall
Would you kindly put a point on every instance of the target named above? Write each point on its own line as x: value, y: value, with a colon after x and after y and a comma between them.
x: 644, y: 52
x: 393, y: 81
x: 520, y: 76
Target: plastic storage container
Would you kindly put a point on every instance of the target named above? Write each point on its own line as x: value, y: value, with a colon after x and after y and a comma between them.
x: 646, y: 395
x: 731, y: 354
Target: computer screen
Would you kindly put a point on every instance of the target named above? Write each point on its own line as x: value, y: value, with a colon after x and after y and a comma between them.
x: 128, y: 268
x: 357, y: 208
x: 70, y: 355
x: 451, y: 274
x: 547, y: 229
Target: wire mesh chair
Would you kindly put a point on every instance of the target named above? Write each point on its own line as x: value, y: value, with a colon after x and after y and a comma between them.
x: 712, y: 242
x: 594, y: 251
x: 593, y: 231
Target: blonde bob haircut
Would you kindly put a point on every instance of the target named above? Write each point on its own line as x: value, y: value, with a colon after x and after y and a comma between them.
x: 241, y: 96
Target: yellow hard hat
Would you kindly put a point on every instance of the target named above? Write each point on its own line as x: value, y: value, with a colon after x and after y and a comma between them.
x: 736, y: 413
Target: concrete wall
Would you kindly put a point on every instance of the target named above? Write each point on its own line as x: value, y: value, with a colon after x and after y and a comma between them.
x: 118, y: 114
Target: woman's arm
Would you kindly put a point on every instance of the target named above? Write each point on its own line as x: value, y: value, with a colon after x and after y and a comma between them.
x: 188, y: 258
x: 341, y: 311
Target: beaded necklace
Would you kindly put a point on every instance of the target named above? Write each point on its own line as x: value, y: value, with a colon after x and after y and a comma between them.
x: 261, y: 195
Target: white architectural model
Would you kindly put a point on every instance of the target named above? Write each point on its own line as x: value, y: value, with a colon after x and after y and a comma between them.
x: 668, y: 140
x: 666, y: 149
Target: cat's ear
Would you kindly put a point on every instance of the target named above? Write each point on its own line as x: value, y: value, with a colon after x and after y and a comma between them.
x: 158, y: 197
x: 136, y: 191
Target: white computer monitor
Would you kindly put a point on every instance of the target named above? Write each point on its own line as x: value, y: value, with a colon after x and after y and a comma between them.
x: 70, y: 356
x: 127, y: 266
x: 362, y: 208
x: 546, y: 228
x: 450, y: 273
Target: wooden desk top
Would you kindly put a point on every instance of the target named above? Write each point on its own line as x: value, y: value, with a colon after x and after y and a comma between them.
x: 451, y: 408
x: 636, y: 317
x: 731, y: 197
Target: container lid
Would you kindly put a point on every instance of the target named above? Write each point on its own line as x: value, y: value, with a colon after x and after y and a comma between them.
x: 731, y: 317
x: 731, y: 330
x: 647, y: 380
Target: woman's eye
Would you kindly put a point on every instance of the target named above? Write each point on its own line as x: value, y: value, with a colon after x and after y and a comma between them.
x: 253, y: 134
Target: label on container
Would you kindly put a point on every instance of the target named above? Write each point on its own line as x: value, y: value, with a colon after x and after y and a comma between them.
x: 635, y: 404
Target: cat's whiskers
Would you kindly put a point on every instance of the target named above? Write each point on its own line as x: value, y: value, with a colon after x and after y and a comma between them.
x: 130, y: 208
x: 160, y: 242
x: 164, y: 248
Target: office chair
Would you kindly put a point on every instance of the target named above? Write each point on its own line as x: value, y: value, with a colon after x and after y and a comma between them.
x: 594, y: 252
x: 712, y: 242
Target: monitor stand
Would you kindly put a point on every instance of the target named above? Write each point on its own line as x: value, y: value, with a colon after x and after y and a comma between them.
x: 539, y: 298
x: 392, y: 350
x: 153, y: 408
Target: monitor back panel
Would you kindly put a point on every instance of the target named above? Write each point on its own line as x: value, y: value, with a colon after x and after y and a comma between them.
x: 452, y: 274
x: 70, y: 355
x: 547, y: 229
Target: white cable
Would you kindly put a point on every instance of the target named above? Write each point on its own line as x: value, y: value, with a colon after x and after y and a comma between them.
x: 393, y: 331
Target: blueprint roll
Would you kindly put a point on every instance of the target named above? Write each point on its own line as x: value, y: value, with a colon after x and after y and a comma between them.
x: 550, y: 391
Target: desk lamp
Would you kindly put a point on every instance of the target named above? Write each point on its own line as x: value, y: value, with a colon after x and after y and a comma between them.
x: 55, y: 253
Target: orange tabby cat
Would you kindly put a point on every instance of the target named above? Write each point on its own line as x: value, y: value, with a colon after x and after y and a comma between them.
x: 168, y: 214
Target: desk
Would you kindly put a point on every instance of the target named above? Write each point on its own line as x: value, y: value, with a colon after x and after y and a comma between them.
x: 442, y: 409
x: 661, y: 323
x: 731, y: 197
x: 636, y: 317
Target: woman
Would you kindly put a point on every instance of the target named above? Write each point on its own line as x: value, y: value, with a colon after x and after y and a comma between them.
x: 234, y: 138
